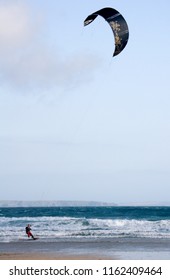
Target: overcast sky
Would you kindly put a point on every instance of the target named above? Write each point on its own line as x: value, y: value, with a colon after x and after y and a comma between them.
x: 76, y: 123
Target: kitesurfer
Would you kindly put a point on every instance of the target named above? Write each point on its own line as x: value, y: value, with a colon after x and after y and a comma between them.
x: 28, y: 231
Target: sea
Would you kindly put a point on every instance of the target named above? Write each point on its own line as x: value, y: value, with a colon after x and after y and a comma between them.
x: 117, y: 227
x: 88, y: 222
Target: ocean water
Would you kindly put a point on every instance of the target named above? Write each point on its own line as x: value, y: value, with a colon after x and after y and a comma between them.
x: 85, y: 223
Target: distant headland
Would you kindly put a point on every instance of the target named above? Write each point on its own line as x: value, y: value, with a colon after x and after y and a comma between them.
x: 52, y: 203
x: 75, y: 203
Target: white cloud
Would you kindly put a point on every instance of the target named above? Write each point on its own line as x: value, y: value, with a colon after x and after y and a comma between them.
x: 15, y: 24
x: 27, y: 61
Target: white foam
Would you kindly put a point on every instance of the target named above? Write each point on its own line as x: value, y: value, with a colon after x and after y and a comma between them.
x: 67, y: 227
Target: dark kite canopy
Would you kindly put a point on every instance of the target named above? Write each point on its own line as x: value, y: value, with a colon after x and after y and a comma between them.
x: 117, y: 24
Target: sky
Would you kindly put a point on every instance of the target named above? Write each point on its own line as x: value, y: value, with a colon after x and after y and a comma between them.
x: 75, y: 122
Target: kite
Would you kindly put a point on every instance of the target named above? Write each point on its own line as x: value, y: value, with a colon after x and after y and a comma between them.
x: 117, y: 24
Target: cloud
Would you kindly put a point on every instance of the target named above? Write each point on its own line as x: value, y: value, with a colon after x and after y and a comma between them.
x: 15, y: 24
x: 26, y: 59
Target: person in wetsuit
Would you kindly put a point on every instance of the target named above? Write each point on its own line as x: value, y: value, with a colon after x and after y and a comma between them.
x: 28, y: 231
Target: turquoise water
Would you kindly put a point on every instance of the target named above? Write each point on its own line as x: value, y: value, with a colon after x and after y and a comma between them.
x: 111, y: 212
x: 69, y: 223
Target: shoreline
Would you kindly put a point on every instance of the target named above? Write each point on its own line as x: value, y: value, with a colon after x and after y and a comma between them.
x: 103, y: 249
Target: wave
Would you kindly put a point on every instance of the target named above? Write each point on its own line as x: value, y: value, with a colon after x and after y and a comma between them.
x: 68, y: 227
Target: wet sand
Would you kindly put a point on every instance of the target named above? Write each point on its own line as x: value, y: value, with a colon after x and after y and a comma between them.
x: 103, y: 249
x: 38, y: 250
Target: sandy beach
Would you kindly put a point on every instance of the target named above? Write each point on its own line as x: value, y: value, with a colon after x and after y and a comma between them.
x: 122, y: 248
x: 40, y: 250
x: 49, y: 256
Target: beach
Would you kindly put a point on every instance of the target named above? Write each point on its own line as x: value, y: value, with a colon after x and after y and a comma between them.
x: 48, y: 256
x: 62, y: 250
x: 113, y: 248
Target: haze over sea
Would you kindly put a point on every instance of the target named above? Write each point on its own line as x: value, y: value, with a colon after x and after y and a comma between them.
x: 126, y: 228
